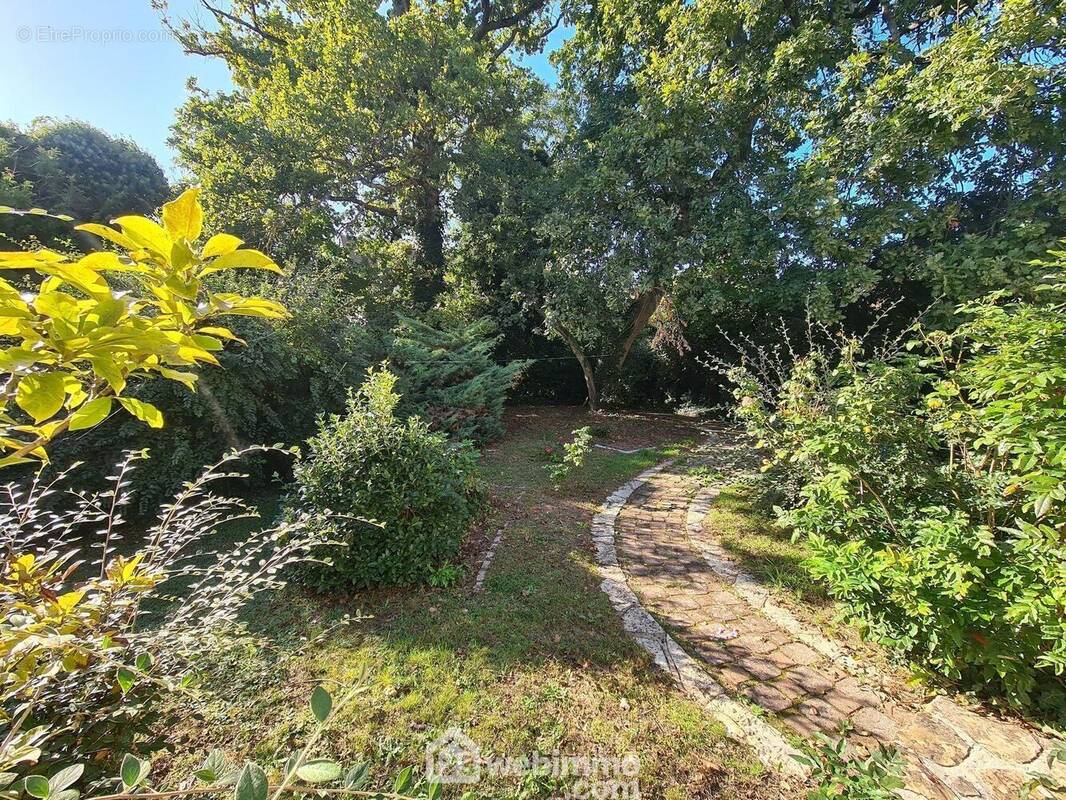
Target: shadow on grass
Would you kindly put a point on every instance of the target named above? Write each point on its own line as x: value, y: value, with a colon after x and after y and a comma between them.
x: 762, y: 547
x: 536, y: 661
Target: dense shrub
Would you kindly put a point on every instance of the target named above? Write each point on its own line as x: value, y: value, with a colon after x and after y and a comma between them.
x: 403, y: 495
x: 934, y: 490
x: 270, y: 388
x: 447, y: 377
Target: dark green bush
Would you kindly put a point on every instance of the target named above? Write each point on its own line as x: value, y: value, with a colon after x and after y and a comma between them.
x: 933, y: 491
x: 270, y: 389
x: 402, y: 495
x: 447, y: 377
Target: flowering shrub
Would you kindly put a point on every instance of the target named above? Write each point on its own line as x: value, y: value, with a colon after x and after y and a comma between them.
x: 933, y: 490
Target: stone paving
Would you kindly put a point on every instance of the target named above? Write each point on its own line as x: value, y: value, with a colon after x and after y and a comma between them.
x: 653, y: 548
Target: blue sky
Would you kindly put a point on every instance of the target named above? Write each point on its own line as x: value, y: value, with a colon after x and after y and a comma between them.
x: 110, y: 63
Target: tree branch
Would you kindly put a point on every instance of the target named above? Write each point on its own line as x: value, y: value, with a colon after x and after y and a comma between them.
x: 488, y: 25
x: 253, y: 26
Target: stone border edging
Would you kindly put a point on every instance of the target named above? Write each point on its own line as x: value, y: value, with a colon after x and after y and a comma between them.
x: 487, y: 561
x: 740, y: 722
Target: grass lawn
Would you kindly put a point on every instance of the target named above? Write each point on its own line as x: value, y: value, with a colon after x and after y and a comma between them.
x: 536, y: 662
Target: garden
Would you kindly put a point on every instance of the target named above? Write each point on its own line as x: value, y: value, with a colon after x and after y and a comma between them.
x: 547, y: 399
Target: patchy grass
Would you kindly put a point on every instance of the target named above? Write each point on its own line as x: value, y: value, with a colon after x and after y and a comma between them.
x: 764, y: 549
x: 536, y: 662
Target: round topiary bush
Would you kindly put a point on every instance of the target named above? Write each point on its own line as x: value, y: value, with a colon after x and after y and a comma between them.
x: 400, y: 497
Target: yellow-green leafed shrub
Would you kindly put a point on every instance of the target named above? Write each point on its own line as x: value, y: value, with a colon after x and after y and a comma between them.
x: 72, y: 341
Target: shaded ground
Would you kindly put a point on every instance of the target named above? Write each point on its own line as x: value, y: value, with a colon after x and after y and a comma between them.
x: 676, y: 562
x: 536, y: 662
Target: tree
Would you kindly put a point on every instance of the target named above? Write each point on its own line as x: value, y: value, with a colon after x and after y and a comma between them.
x: 789, y: 150
x: 348, y: 120
x: 447, y: 376
x: 70, y: 167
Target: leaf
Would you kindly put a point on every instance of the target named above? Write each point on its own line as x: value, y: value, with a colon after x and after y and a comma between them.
x: 321, y: 703
x: 37, y: 786
x: 66, y: 777
x: 220, y: 244
x: 145, y: 412
x: 213, y: 768
x: 241, y: 259
x: 146, y: 233
x: 24, y: 259
x: 133, y: 771
x: 403, y: 781
x: 358, y: 776
x: 184, y: 217
x: 125, y: 679
x: 104, y: 232
x: 251, y: 783
x: 106, y: 261
x: 41, y: 395
x: 319, y: 770
x: 89, y: 414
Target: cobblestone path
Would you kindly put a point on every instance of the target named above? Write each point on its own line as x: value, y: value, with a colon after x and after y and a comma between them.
x: 736, y: 647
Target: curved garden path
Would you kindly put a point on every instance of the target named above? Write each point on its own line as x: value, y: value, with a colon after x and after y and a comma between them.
x: 770, y: 677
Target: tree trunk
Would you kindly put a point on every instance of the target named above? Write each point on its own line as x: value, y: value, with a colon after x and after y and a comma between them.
x: 429, y: 228
x: 643, y: 308
x: 586, y: 366
x: 429, y: 219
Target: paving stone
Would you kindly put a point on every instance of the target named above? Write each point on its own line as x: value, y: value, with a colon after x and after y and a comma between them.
x: 1009, y: 742
x: 812, y: 680
x: 919, y: 780
x: 873, y: 722
x: 754, y: 643
x: 824, y: 716
x: 932, y: 739
x: 732, y: 676
x: 759, y: 667
x: 1002, y: 783
x: 766, y: 696
x: 962, y: 786
x: 714, y: 653
x: 800, y: 653
x: 849, y: 695
x: 650, y: 542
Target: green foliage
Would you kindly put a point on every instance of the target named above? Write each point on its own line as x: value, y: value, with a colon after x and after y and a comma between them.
x: 363, y: 124
x: 573, y: 457
x: 297, y: 774
x: 73, y: 168
x: 83, y: 676
x: 445, y: 576
x: 403, y: 496
x: 933, y: 490
x: 270, y: 387
x: 74, y: 344
x: 447, y: 377
x: 838, y: 775
x: 1043, y: 783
